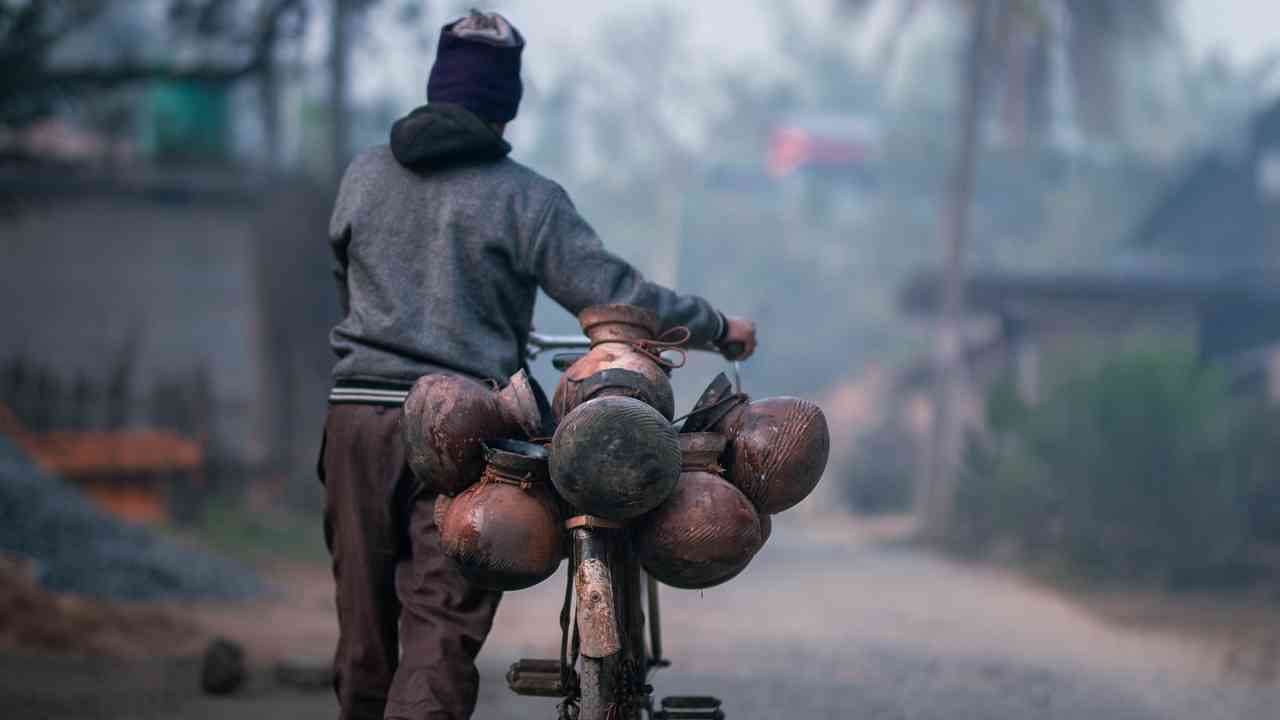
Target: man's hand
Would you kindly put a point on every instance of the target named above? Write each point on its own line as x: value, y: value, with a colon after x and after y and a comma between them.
x: 739, y: 341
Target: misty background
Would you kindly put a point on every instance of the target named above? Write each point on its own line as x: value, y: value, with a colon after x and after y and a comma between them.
x: 1023, y: 254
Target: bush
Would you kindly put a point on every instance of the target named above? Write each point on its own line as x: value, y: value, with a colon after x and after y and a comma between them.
x: 1136, y: 470
x: 881, y: 473
x: 1259, y: 446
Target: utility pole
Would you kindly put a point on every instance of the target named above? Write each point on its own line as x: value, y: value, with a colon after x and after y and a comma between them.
x: 339, y: 47
x: 670, y: 199
x: 951, y: 377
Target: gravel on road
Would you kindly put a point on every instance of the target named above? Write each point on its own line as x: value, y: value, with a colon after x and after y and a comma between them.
x: 77, y: 548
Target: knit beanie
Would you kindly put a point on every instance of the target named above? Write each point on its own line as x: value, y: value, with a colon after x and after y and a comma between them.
x: 478, y: 66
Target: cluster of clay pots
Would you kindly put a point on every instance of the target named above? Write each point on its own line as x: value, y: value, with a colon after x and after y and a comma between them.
x: 615, y: 454
x: 497, y: 516
x: 743, y: 462
x: 699, y: 501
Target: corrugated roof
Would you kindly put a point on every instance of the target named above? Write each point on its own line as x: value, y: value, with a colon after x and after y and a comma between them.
x: 1133, y: 282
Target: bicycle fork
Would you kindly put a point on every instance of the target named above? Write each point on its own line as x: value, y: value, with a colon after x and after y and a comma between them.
x: 609, y: 645
x: 600, y: 638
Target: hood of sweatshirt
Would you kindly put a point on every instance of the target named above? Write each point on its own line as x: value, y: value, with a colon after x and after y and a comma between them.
x: 441, y: 135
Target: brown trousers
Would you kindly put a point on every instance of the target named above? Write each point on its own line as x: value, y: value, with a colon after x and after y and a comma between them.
x: 395, y: 588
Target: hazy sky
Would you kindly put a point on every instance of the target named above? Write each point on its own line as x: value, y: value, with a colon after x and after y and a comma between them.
x: 1244, y: 29
x: 736, y: 31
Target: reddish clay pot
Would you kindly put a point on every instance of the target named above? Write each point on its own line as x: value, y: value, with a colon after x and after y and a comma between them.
x: 615, y: 366
x: 447, y: 419
x: 615, y: 457
x: 504, y: 532
x: 777, y: 450
x: 707, y: 531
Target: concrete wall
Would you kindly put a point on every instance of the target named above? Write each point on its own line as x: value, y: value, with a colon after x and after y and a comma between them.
x: 83, y: 275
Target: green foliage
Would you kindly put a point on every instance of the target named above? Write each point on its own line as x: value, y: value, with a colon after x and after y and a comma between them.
x: 1139, y: 469
x: 228, y: 525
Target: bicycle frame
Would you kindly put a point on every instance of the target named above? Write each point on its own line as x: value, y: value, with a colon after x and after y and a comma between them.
x: 612, y: 595
x: 610, y: 624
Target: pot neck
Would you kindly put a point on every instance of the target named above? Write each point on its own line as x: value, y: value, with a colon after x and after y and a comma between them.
x: 617, y: 332
x: 701, y: 461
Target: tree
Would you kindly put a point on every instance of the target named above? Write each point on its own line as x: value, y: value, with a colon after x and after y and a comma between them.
x: 1013, y: 42
x: 1038, y: 49
x: 948, y: 426
x: 33, y: 78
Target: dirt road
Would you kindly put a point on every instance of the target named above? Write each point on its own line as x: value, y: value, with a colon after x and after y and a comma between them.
x: 826, y: 627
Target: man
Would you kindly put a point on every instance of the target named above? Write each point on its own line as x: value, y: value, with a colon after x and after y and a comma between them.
x: 441, y: 243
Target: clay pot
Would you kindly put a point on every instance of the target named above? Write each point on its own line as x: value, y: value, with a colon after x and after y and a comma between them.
x: 707, y: 531
x: 615, y: 457
x: 777, y: 450
x: 447, y: 419
x: 615, y: 366
x: 504, y: 532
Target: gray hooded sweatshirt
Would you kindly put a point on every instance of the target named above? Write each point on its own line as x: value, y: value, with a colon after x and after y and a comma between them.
x: 440, y: 243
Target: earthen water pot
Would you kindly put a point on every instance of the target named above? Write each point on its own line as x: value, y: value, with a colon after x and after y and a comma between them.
x: 504, y: 532
x: 777, y: 450
x: 617, y: 363
x: 707, y: 531
x: 615, y: 457
x: 447, y: 418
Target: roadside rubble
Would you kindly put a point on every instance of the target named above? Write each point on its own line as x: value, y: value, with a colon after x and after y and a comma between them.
x: 71, y: 546
x: 35, y: 618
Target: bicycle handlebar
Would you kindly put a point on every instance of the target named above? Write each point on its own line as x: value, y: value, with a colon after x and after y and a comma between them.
x: 539, y: 343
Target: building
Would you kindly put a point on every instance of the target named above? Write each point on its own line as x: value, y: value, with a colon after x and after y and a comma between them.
x: 1200, y: 269
x: 147, y: 277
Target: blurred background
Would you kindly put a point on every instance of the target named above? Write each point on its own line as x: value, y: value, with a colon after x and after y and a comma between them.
x: 1022, y: 252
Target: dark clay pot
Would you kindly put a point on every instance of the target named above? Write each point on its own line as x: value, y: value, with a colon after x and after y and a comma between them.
x: 504, y: 533
x: 707, y: 531
x: 447, y: 419
x: 615, y: 457
x: 614, y: 366
x: 777, y: 450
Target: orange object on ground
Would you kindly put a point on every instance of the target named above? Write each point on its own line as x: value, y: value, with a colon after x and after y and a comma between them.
x: 121, y: 470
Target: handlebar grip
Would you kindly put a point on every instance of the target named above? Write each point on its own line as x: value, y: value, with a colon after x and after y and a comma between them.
x: 562, y: 361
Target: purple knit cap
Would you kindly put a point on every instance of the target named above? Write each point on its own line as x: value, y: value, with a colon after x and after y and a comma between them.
x: 478, y: 66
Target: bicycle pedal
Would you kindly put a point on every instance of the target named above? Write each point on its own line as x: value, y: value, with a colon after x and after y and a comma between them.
x: 535, y: 677
x: 690, y: 707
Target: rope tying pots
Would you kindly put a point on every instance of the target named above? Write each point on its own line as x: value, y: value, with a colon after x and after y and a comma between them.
x: 615, y: 457
x: 447, y: 418
x: 777, y: 451
x: 504, y: 532
x: 440, y: 507
x: 625, y: 359
x: 707, y: 531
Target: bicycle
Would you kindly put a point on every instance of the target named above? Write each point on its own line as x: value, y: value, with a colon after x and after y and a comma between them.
x: 605, y: 638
